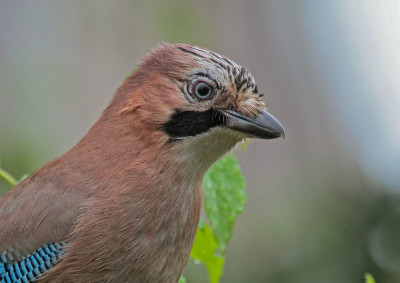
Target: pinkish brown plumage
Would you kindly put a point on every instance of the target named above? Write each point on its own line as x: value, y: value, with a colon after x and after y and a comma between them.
x: 126, y: 199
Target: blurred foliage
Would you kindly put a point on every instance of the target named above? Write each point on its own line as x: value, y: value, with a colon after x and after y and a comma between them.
x: 369, y: 278
x: 176, y: 24
x: 7, y: 176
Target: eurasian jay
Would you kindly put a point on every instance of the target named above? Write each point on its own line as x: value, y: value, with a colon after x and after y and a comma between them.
x: 123, y: 204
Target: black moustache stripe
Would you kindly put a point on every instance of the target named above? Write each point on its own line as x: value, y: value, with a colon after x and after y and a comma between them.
x: 191, y: 123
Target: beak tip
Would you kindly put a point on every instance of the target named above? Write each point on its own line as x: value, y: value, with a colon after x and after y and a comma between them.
x: 272, y: 124
x: 282, y: 132
x: 277, y: 134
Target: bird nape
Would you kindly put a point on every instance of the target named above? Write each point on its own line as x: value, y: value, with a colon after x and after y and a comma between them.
x: 123, y: 204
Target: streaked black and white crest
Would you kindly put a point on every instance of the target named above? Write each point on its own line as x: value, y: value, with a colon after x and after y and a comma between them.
x: 221, y: 69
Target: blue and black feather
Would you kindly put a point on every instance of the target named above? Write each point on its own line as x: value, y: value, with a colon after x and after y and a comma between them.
x: 30, y: 267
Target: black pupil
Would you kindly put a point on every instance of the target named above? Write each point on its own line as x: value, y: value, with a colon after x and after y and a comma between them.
x: 203, y: 90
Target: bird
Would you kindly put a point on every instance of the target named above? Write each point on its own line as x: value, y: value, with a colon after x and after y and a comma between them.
x: 123, y: 204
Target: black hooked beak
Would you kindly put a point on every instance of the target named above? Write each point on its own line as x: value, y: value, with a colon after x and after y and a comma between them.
x: 264, y: 126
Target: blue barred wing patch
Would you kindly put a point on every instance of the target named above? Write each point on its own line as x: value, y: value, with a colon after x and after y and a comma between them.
x: 30, y: 267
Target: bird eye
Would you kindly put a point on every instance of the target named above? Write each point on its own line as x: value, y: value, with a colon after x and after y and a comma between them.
x: 203, y: 91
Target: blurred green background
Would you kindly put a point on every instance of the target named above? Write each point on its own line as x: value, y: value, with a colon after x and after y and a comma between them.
x: 324, y: 203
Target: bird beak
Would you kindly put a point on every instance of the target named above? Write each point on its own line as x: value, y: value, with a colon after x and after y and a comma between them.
x: 264, y: 126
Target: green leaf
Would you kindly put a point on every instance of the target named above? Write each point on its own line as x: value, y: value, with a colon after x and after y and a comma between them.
x: 368, y: 278
x: 182, y: 279
x: 225, y: 197
x: 204, y: 250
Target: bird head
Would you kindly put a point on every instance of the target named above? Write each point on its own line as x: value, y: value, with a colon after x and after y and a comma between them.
x: 195, y: 101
